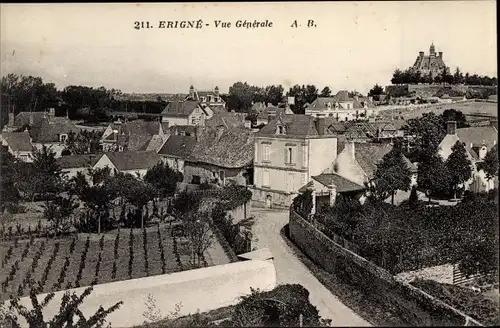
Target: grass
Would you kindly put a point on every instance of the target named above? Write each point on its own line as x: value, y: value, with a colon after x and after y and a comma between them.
x: 90, y: 261
x: 184, y: 321
x: 364, y: 305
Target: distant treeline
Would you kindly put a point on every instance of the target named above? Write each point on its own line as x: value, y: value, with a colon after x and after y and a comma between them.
x: 411, y: 76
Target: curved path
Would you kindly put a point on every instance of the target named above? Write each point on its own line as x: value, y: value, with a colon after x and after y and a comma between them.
x: 289, y: 269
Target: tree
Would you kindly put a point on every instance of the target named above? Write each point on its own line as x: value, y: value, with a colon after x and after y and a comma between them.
x: 413, y: 199
x: 241, y: 96
x: 454, y: 115
x: 490, y: 163
x: 326, y: 92
x: 68, y: 312
x: 432, y: 175
x: 273, y: 94
x: 392, y: 174
x: 376, y: 91
x: 428, y: 131
x: 459, y: 166
x: 58, y: 213
x: 200, y: 237
x: 47, y: 177
x: 9, y: 194
x: 163, y: 178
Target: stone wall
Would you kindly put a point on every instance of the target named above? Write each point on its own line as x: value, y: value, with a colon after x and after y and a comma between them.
x: 415, y: 306
x: 200, y: 289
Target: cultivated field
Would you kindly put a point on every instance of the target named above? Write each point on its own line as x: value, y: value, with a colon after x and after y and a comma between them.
x: 468, y: 108
x: 57, y: 264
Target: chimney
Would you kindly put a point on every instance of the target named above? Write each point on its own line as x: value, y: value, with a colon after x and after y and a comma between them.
x: 216, y: 90
x: 440, y: 54
x: 421, y: 54
x: 11, y: 120
x: 191, y: 92
x: 197, y: 132
x: 320, y: 125
x: 451, y: 127
x: 351, y: 148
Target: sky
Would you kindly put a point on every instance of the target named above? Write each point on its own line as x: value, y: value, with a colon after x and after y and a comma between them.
x: 353, y: 45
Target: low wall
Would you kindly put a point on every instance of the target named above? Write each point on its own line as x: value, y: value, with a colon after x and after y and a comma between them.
x: 412, y: 304
x: 200, y: 289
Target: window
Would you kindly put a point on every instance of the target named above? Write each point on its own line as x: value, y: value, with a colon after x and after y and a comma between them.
x: 120, y: 148
x: 289, y: 155
x: 265, y: 179
x: 193, y: 121
x: 63, y: 138
x: 280, y: 129
x: 196, y: 179
x: 222, y: 177
x: 266, y: 151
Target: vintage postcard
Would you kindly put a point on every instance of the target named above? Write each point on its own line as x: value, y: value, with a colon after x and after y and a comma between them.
x: 280, y: 164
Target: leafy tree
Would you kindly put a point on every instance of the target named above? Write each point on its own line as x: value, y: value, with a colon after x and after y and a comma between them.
x: 58, y: 213
x: 241, y: 96
x: 459, y: 166
x: 303, y: 203
x: 413, y: 199
x: 454, y: 115
x: 490, y: 163
x: 428, y: 131
x: 302, y: 94
x: 9, y: 194
x: 326, y: 92
x: 432, y: 174
x: 46, y: 177
x: 163, y: 178
x: 273, y: 94
x: 376, y: 91
x: 86, y: 142
x: 69, y: 314
x: 185, y: 202
x: 392, y: 174
x: 197, y: 228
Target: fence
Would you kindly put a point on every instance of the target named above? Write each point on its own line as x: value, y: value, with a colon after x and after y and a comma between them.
x: 410, y: 303
x: 459, y: 278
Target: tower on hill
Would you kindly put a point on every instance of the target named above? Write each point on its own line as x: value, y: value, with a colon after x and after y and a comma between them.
x: 432, y: 64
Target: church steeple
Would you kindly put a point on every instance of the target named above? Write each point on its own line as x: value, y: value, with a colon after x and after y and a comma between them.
x: 432, y: 49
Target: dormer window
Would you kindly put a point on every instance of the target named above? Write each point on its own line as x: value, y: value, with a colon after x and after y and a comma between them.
x: 336, y: 105
x: 280, y: 129
x: 329, y: 105
x: 203, y: 99
x: 63, y: 137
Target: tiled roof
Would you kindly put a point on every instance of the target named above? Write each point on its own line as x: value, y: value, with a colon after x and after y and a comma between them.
x: 142, y: 127
x: 23, y: 118
x: 227, y: 119
x: 77, y: 161
x: 180, y: 108
x: 133, y: 160
x: 477, y: 136
x: 178, y: 146
x: 138, y: 141
x: 341, y: 96
x: 155, y: 143
x: 18, y: 141
x: 368, y: 155
x: 229, y: 148
x: 295, y: 125
x: 342, y: 184
x: 50, y: 131
x: 271, y: 110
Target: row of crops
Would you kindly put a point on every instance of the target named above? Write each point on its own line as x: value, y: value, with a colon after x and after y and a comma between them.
x: 55, y: 264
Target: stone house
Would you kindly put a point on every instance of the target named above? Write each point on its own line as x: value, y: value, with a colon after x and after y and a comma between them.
x: 135, y: 135
x: 221, y: 155
x: 18, y: 144
x: 136, y: 163
x: 288, y: 152
x: 207, y: 98
x: 342, y: 107
x: 53, y: 133
x: 187, y: 112
x: 176, y: 150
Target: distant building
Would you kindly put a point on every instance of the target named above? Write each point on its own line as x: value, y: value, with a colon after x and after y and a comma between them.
x: 189, y: 112
x: 206, y: 98
x: 18, y: 144
x: 221, y: 155
x: 432, y: 64
x: 136, y: 135
x: 271, y: 112
x: 72, y: 164
x: 136, y: 163
x: 341, y: 107
x: 176, y: 150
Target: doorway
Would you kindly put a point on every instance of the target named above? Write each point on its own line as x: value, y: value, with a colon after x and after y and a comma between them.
x: 269, y: 201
